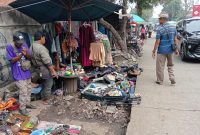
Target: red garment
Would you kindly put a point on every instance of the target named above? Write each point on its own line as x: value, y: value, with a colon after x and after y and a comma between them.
x: 86, y: 35
x: 59, y: 28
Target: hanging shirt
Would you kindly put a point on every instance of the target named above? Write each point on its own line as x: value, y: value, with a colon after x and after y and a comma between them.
x: 97, y: 52
x: 86, y: 35
x: 17, y: 72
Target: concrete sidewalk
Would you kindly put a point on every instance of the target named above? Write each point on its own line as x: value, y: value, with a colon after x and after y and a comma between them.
x: 166, y: 109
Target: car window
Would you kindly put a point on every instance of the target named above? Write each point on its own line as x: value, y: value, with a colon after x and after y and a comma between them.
x: 192, y: 25
x: 179, y: 25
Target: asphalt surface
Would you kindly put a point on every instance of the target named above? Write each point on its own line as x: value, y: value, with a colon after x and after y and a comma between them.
x: 167, y: 109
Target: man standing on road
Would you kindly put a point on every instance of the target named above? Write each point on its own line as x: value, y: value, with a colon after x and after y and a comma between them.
x: 150, y: 30
x: 166, y: 39
x: 15, y: 53
x: 43, y: 64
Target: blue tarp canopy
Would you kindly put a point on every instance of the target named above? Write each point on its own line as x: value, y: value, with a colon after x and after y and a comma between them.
x: 45, y: 11
x: 136, y: 19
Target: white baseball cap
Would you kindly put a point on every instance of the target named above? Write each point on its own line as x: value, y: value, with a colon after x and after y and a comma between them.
x: 163, y: 15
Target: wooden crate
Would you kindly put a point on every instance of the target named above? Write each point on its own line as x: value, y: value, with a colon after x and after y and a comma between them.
x: 69, y: 84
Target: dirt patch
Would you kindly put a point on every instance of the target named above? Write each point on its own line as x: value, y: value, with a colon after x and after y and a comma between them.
x: 92, y: 116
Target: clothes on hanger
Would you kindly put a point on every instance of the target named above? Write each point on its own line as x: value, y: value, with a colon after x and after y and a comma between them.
x: 48, y: 41
x: 86, y: 35
x: 107, y: 46
x: 108, y: 55
x: 97, y: 53
x: 68, y: 42
x: 59, y: 28
x: 53, y: 46
x: 57, y: 41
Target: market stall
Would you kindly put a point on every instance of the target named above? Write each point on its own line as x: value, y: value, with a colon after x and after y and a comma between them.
x: 70, y: 10
x: 96, y: 75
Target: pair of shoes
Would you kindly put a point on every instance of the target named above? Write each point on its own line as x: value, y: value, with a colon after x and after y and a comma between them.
x: 46, y: 102
x: 134, y: 72
x: 159, y: 83
x: 30, y: 106
x: 173, y: 82
x: 24, y: 112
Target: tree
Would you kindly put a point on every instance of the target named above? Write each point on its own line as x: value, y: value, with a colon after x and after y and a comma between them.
x: 145, y: 4
x: 187, y: 4
x: 116, y: 35
x: 123, y: 31
x: 121, y: 35
x: 174, y: 9
x: 147, y: 14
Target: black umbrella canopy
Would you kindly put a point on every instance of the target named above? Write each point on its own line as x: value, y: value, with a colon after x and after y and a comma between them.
x: 45, y: 11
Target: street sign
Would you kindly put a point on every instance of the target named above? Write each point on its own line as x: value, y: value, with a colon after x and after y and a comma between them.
x: 196, y: 10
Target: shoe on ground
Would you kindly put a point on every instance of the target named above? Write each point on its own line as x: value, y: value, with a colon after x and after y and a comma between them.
x: 173, y: 82
x: 31, y: 106
x: 46, y: 102
x: 159, y: 83
x: 24, y: 112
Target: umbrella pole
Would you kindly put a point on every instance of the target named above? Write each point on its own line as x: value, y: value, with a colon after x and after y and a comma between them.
x: 70, y: 30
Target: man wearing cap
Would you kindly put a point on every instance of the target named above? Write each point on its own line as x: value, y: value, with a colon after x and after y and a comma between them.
x: 15, y: 53
x: 43, y: 62
x: 165, y: 45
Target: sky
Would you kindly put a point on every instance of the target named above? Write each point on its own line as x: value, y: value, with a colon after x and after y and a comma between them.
x: 157, y: 10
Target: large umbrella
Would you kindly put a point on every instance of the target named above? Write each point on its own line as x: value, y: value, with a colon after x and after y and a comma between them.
x: 135, y: 19
x: 45, y: 11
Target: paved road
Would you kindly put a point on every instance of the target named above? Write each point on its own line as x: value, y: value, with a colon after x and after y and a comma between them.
x: 166, y: 109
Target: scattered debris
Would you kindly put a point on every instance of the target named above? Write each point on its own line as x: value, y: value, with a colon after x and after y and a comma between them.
x: 111, y: 109
x: 86, y: 110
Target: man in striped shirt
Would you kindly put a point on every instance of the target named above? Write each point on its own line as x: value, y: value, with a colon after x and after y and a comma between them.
x: 166, y: 37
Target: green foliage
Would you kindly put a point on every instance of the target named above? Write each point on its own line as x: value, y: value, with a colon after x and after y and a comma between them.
x: 174, y: 9
x: 145, y: 4
x: 147, y: 14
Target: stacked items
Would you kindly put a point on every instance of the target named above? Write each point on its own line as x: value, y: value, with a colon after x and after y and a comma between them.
x: 53, y: 128
x: 15, y: 124
x: 68, y: 72
x: 114, y: 84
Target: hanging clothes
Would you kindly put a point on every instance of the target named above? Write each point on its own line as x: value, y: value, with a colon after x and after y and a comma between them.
x: 107, y: 46
x: 26, y: 38
x: 97, y: 54
x: 57, y: 41
x: 48, y: 42
x: 53, y: 46
x: 108, y: 55
x: 69, y: 42
x: 59, y: 28
x: 78, y: 50
x: 50, y: 28
x: 86, y: 35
